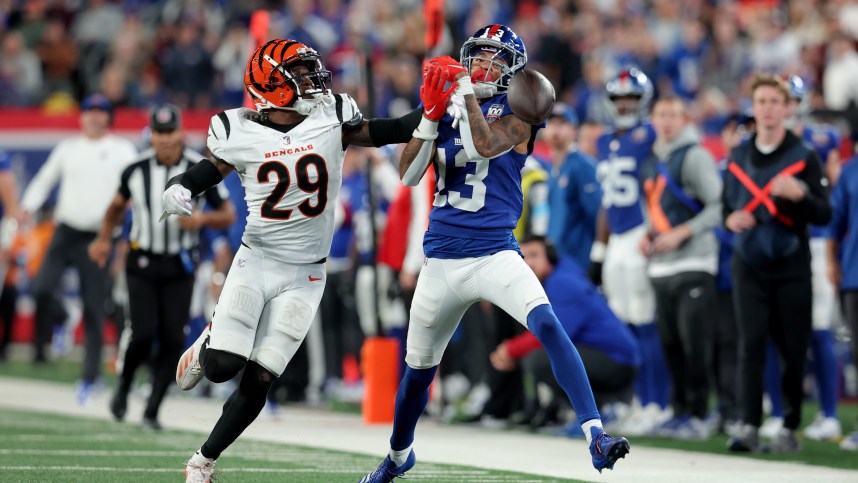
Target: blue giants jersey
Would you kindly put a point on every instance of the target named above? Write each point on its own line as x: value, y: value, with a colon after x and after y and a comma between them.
x: 477, y: 201
x: 844, y: 204
x: 620, y: 157
x: 823, y: 138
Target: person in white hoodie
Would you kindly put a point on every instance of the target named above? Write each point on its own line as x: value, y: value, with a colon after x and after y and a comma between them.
x: 87, y: 168
x: 682, y: 190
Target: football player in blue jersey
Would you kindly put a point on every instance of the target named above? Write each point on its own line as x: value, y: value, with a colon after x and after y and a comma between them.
x: 842, y: 254
x: 825, y: 140
x: 478, y: 150
x: 619, y: 265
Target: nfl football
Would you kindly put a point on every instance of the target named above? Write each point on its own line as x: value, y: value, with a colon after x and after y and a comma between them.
x: 530, y: 96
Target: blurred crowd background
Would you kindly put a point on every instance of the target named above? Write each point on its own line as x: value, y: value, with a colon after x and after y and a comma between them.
x: 192, y: 52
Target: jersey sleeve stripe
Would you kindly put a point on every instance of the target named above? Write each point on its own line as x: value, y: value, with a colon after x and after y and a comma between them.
x: 339, y: 101
x: 212, y: 131
x: 225, y: 120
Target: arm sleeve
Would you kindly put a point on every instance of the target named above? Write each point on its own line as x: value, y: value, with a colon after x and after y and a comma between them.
x: 394, y: 131
x: 216, y: 195
x: 700, y: 173
x: 45, y: 180
x: 199, y: 178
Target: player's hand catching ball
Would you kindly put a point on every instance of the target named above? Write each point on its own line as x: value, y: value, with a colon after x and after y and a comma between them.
x: 455, y: 70
x: 432, y: 93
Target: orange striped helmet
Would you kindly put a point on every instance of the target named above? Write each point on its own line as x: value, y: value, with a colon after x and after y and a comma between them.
x: 272, y: 78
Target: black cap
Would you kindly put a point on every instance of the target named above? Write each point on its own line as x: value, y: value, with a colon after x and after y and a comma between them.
x: 166, y: 117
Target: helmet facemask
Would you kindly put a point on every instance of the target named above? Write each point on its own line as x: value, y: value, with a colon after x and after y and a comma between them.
x: 627, y: 98
x: 626, y: 110
x: 502, y: 56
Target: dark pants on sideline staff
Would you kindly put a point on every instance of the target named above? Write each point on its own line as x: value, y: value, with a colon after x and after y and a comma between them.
x: 68, y: 247
x: 725, y: 359
x: 782, y: 310
x: 159, y: 299
x: 686, y: 316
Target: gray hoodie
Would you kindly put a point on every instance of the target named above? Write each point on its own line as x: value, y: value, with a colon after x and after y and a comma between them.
x: 700, y: 179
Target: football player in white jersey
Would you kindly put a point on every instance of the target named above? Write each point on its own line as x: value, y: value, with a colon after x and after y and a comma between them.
x: 289, y: 156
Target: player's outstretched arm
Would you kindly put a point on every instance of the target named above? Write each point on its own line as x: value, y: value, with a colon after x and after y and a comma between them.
x: 420, y: 150
x: 382, y: 131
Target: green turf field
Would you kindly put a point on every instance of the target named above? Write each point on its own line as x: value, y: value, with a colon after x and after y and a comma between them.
x: 823, y: 453
x: 37, y: 447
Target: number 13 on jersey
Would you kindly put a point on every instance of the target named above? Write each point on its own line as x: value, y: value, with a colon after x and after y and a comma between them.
x: 445, y: 195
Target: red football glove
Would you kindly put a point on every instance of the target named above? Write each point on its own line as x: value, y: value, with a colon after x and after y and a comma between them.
x: 432, y: 92
x: 452, y: 65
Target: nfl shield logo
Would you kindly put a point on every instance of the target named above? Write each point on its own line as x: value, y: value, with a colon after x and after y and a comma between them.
x: 286, y: 140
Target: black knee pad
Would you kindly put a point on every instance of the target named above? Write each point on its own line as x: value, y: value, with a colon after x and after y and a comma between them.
x: 221, y: 366
x: 256, y: 380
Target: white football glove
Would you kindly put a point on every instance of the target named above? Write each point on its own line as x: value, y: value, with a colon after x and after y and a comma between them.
x: 177, y: 201
x: 456, y: 108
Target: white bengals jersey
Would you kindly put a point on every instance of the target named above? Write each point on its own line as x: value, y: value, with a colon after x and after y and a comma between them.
x: 291, y: 180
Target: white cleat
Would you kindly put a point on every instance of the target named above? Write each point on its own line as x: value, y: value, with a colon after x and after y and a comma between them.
x: 189, y: 372
x: 771, y: 427
x: 850, y: 442
x: 199, y: 469
x: 823, y: 428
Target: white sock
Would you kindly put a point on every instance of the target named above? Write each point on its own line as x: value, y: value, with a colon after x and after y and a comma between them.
x: 199, y: 456
x: 593, y: 423
x: 399, y: 457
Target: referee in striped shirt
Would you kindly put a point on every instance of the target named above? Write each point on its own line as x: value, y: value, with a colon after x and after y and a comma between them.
x: 162, y: 258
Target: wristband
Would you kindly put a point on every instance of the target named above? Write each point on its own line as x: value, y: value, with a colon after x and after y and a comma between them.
x: 597, y: 252
x: 427, y: 130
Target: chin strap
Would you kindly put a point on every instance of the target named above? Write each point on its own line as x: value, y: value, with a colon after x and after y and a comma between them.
x: 302, y: 106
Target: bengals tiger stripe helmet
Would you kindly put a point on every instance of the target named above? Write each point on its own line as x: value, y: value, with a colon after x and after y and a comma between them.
x: 272, y: 82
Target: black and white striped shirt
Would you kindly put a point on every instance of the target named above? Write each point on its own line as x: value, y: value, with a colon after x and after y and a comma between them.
x: 143, y: 182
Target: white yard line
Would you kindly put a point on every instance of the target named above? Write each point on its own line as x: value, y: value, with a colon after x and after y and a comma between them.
x: 499, y: 450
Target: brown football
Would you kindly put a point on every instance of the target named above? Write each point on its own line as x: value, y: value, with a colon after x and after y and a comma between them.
x: 530, y: 96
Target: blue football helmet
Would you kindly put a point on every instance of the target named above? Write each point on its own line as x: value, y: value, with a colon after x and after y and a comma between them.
x: 798, y: 91
x: 508, y: 53
x: 629, y: 83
